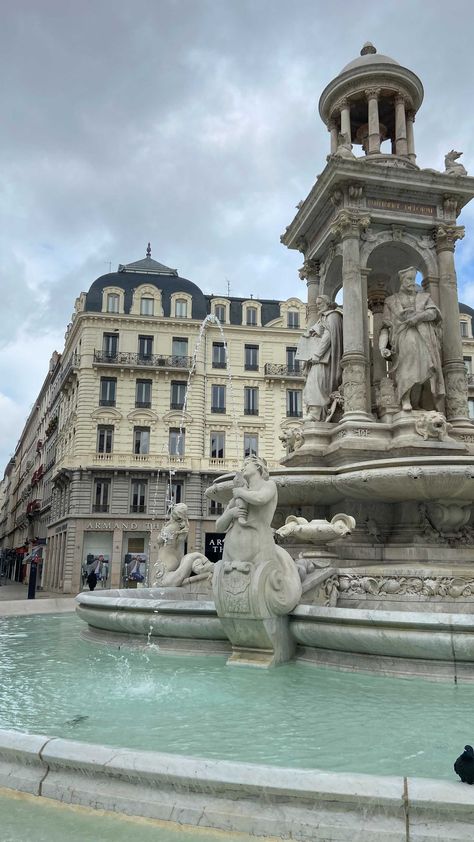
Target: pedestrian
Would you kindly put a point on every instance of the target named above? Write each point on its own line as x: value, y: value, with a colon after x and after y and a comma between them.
x: 92, y: 580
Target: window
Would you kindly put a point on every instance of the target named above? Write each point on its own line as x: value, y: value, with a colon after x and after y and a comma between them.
x: 464, y: 328
x: 141, y: 440
x: 251, y: 357
x: 147, y: 306
x: 138, y: 498
x: 217, y: 445
x: 105, y: 436
x: 294, y: 403
x: 143, y: 393
x: 101, y: 495
x: 219, y: 312
x: 181, y: 308
x: 113, y: 301
x: 250, y: 444
x: 110, y: 345
x: 293, y: 319
x: 145, y: 347
x: 215, y: 508
x: 174, y: 494
x: 250, y: 400
x: 218, y: 398
x: 108, y: 389
x: 178, y: 393
x: 218, y: 355
x: 468, y: 364
x: 176, y: 442
x: 470, y: 406
x: 292, y: 363
x: 251, y: 315
x: 179, y: 347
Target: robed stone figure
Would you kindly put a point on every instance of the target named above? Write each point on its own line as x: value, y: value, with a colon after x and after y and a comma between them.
x: 411, y: 338
x: 320, y: 349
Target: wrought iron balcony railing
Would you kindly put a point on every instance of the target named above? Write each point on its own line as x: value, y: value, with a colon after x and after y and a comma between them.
x: 284, y: 371
x: 133, y: 360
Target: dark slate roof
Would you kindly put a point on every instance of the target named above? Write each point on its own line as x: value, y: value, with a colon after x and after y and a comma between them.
x: 147, y: 265
x: 129, y: 278
x: 270, y: 308
x: 464, y: 308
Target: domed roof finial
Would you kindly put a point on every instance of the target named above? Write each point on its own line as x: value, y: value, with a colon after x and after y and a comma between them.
x: 148, y: 250
x: 367, y: 49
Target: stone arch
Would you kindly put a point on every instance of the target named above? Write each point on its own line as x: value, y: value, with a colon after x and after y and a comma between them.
x: 331, y: 283
x: 387, y: 252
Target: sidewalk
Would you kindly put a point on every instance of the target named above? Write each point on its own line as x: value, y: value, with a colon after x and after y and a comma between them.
x: 15, y: 590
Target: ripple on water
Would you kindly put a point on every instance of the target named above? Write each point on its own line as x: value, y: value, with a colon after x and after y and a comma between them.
x: 52, y: 681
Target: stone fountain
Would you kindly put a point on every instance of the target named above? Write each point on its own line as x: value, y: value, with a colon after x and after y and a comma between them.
x: 385, y: 438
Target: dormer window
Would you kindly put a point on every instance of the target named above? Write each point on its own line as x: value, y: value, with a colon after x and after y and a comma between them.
x: 219, y: 312
x: 464, y: 328
x: 147, y: 306
x: 113, y: 301
x: 293, y: 319
x: 181, y: 308
x: 251, y: 315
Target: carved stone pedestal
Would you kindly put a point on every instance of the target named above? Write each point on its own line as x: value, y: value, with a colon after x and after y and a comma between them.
x: 252, y: 603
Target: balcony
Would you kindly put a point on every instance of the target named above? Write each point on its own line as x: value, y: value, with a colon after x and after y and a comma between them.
x: 285, y: 372
x: 250, y: 411
x: 100, y: 508
x: 177, y: 405
x: 127, y: 359
x: 143, y: 404
x: 139, y: 509
x: 219, y: 364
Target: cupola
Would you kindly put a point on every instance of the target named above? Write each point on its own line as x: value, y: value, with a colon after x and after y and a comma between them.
x: 373, y: 99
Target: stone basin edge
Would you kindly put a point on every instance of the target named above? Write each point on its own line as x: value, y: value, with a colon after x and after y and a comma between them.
x: 294, y: 803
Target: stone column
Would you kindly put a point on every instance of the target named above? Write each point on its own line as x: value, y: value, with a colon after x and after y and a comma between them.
x: 430, y: 284
x: 376, y: 300
x: 372, y: 95
x: 345, y: 118
x: 401, y: 146
x: 410, y: 136
x: 355, y: 362
x: 310, y: 272
x: 453, y: 366
x: 332, y: 127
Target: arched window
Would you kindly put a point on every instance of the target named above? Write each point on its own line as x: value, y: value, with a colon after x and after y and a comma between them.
x: 181, y: 308
x: 113, y: 301
x: 251, y: 315
x: 147, y: 307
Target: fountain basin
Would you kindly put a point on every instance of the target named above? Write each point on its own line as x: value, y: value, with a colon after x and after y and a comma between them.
x: 433, y: 644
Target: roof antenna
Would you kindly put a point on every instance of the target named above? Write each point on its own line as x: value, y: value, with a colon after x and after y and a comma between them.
x: 148, y: 250
x: 228, y: 287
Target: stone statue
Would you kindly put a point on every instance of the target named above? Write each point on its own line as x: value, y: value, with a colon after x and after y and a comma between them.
x: 320, y: 349
x: 317, y: 531
x: 172, y: 566
x: 451, y: 167
x: 256, y: 583
x: 292, y: 439
x: 344, y: 147
x: 410, y: 337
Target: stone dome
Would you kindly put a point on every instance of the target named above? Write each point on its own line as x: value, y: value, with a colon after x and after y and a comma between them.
x: 368, y: 56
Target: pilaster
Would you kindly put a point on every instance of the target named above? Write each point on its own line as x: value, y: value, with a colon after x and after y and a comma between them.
x: 310, y: 271
x: 453, y: 365
x: 355, y: 363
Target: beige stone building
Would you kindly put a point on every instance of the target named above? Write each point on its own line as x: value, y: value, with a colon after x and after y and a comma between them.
x: 115, y: 435
x: 146, y: 408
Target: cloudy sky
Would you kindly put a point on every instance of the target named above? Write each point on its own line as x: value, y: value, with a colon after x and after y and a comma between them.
x: 192, y: 124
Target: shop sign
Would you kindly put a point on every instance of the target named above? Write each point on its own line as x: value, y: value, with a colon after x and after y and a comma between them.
x: 107, y: 525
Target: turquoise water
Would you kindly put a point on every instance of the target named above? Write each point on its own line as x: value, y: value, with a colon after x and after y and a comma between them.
x: 297, y: 715
x: 25, y: 818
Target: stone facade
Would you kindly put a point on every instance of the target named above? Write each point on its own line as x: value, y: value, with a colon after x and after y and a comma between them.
x: 117, y: 443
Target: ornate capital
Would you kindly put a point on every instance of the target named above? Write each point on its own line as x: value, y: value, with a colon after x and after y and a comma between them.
x: 447, y: 235
x: 350, y: 224
x: 372, y: 93
x: 309, y: 269
x: 332, y: 124
x: 376, y: 299
x: 411, y: 115
x: 401, y: 98
x: 342, y: 103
